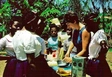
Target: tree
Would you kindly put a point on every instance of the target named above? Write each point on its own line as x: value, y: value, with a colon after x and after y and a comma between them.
x: 47, y: 9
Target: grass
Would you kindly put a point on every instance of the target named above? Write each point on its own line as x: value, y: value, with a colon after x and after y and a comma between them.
x: 110, y: 49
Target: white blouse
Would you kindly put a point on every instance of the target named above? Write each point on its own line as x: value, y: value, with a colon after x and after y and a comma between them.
x: 94, y: 46
x: 25, y: 42
x: 6, y: 42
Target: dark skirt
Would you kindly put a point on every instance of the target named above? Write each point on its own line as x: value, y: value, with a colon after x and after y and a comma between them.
x: 22, y: 68
x: 42, y: 68
x: 10, y: 68
x: 100, y: 69
x: 104, y: 69
x: 16, y: 68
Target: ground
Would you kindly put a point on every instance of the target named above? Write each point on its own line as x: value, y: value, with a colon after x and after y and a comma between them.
x: 109, y: 60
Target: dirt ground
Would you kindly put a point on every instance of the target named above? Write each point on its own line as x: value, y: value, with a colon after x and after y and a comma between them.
x: 3, y: 63
x: 109, y: 59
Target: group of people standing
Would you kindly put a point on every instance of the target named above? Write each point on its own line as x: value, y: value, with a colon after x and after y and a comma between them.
x: 26, y: 48
x: 89, y: 40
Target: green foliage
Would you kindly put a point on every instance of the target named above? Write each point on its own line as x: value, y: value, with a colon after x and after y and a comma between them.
x: 110, y: 50
x: 2, y: 28
x: 45, y: 8
x: 5, y: 15
x: 50, y: 9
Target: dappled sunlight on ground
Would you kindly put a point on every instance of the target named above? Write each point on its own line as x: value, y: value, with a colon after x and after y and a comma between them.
x: 2, y: 65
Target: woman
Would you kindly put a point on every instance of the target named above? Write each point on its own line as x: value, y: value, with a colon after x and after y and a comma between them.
x: 6, y: 43
x: 80, y: 37
x: 28, y: 50
x: 97, y: 47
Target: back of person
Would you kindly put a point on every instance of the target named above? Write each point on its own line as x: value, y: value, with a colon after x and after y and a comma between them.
x: 28, y: 44
x: 28, y: 49
x: 97, y: 48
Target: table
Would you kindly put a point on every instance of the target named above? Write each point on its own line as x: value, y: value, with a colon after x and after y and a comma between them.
x: 68, y: 68
x: 54, y: 66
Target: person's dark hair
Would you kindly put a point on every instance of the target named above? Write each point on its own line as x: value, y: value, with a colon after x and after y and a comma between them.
x: 33, y: 22
x: 92, y: 22
x: 63, y: 26
x: 16, y: 18
x: 45, y: 36
x: 52, y: 26
x: 71, y: 17
x: 92, y: 17
x: 30, y: 21
x: 17, y: 26
x: 41, y: 26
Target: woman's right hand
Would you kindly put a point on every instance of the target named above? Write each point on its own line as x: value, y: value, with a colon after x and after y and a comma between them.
x: 67, y: 55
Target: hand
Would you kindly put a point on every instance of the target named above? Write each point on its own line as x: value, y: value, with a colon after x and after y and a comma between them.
x: 67, y: 60
x: 67, y: 55
x: 33, y: 66
x: 104, y: 46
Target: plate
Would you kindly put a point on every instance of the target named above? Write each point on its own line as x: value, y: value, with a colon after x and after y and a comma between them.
x: 62, y: 63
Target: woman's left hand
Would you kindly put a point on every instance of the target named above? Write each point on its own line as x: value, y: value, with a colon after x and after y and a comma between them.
x: 67, y: 60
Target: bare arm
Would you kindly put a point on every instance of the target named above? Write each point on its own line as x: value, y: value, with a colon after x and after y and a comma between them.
x: 69, y: 49
x: 85, y: 41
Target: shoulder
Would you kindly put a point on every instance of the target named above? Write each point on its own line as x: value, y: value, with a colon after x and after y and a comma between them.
x: 5, y: 37
x: 18, y: 33
x: 101, y: 34
x: 85, y: 32
x: 100, y: 31
x: 49, y: 38
x: 39, y: 38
